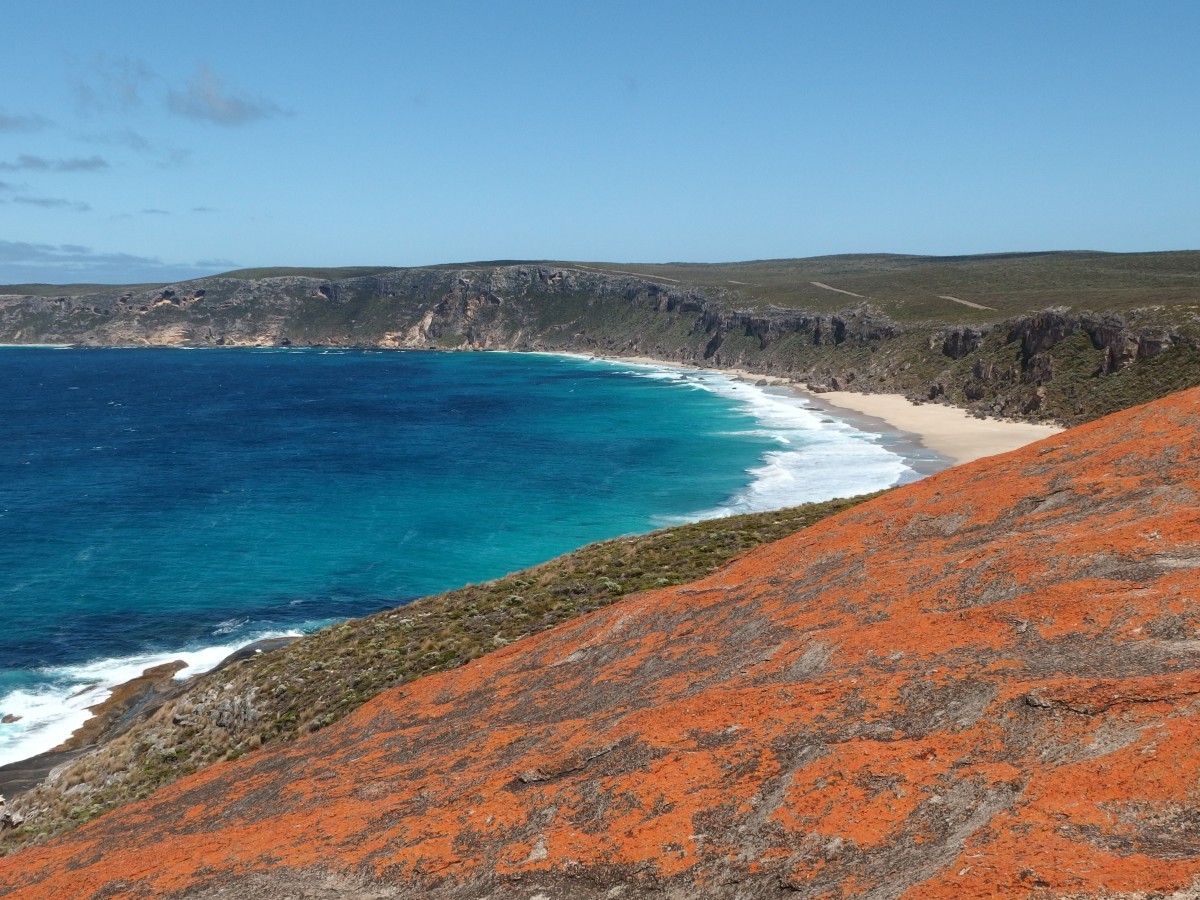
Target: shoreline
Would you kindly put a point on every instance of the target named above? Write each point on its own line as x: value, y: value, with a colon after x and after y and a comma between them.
x: 949, y: 432
x: 125, y: 705
x: 927, y: 438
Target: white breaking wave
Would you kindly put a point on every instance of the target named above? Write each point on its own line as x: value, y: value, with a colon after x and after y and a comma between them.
x: 815, y: 457
x: 51, y: 712
x: 818, y: 457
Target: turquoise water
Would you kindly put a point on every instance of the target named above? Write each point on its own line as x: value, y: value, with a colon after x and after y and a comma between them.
x: 162, y: 504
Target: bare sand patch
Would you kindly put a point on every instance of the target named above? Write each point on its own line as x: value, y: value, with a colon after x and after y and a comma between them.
x: 947, y: 430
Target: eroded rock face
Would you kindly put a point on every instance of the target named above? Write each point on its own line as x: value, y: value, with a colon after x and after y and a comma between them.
x: 983, y: 684
x: 581, y: 310
x: 959, y: 341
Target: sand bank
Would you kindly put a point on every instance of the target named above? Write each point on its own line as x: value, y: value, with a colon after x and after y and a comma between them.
x: 946, y: 430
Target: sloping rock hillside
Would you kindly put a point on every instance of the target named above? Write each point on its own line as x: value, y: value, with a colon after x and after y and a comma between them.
x: 984, y: 684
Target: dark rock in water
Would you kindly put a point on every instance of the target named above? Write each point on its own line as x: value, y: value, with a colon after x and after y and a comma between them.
x: 125, y: 704
x: 266, y: 645
x: 9, y: 719
x: 128, y: 704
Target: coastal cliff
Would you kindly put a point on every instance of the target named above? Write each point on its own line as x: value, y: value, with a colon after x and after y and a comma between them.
x: 1066, y: 362
x: 981, y: 684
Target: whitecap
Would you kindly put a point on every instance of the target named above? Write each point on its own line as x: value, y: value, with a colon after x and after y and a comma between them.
x: 230, y: 625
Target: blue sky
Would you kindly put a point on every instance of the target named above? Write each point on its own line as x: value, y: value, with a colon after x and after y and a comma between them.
x: 157, y: 141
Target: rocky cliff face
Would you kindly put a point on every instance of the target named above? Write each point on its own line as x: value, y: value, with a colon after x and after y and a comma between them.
x: 1066, y: 364
x: 983, y: 684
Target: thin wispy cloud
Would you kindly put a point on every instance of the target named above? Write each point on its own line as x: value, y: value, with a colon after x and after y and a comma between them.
x: 112, y: 84
x: 206, y: 98
x: 155, y: 212
x: 10, y: 124
x: 21, y: 261
x: 53, y: 203
x: 163, y: 154
x: 27, y: 162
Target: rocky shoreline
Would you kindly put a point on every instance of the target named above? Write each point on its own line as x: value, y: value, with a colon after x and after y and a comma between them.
x: 1054, y: 364
x: 127, y: 705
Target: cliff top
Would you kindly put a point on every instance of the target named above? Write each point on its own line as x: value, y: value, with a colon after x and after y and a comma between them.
x: 952, y: 289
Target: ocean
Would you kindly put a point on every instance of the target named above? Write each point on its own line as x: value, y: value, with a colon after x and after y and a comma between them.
x: 162, y: 504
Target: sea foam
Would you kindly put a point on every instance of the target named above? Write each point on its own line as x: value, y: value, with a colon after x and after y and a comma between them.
x: 800, y: 455
x: 819, y: 457
x: 52, y: 711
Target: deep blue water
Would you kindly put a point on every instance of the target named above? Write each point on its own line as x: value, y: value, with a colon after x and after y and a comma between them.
x: 156, y: 503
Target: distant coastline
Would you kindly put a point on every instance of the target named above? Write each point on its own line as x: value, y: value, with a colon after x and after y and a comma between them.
x: 948, y: 431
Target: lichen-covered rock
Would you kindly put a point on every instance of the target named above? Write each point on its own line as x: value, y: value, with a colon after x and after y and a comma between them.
x: 983, y: 684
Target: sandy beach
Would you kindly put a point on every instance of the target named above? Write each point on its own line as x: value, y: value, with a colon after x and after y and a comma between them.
x: 948, y: 431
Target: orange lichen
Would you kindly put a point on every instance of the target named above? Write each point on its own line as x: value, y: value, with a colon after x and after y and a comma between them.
x: 986, y: 683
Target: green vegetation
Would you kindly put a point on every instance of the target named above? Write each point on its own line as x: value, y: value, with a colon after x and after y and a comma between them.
x: 1062, y: 336
x: 319, y: 679
x: 1070, y: 391
x: 912, y: 288
x: 333, y: 671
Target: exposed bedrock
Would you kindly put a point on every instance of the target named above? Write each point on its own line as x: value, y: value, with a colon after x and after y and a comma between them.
x: 1058, y: 363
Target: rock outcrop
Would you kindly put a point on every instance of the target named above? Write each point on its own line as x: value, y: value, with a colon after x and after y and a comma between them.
x: 1060, y: 363
x: 983, y: 684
